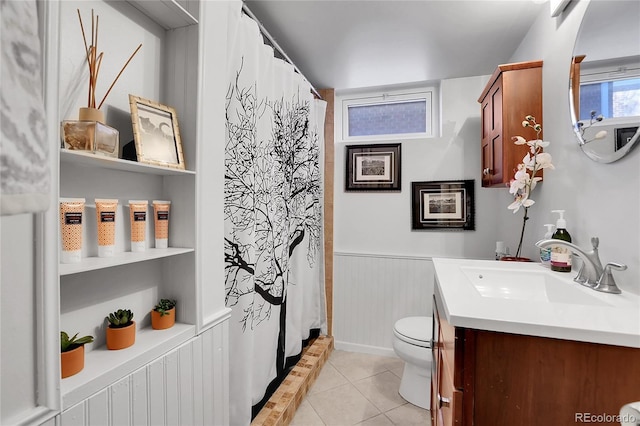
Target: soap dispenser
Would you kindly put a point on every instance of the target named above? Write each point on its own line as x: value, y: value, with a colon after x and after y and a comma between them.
x: 545, y: 253
x: 561, y: 255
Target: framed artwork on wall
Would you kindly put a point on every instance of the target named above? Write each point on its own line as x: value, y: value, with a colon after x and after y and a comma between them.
x: 156, y: 133
x: 373, y: 167
x: 444, y: 205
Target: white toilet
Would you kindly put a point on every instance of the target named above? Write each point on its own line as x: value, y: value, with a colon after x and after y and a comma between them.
x: 412, y: 343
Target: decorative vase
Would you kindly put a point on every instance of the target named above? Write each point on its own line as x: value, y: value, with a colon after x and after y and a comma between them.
x: 72, y: 362
x: 122, y: 337
x: 161, y: 322
x: 89, y: 133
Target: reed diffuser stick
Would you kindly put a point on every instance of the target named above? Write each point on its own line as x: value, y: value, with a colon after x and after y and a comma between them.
x: 94, y: 60
x: 118, y: 76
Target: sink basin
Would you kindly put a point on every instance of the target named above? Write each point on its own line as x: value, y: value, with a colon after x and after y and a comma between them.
x: 528, y: 285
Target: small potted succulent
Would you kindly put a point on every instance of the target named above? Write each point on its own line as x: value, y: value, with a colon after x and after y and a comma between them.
x: 72, y: 353
x: 121, y: 330
x: 163, y: 314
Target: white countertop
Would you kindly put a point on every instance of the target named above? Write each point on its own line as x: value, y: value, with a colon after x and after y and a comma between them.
x: 611, y: 319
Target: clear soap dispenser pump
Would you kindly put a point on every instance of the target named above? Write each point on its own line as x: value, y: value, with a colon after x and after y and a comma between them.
x: 545, y: 253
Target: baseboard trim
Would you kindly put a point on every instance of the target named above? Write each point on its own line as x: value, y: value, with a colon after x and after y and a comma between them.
x: 366, y: 349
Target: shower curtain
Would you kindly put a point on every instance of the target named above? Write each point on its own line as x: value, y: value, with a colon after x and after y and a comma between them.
x: 273, y: 243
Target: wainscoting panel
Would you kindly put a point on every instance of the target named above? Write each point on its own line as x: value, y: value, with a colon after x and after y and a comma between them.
x: 74, y: 416
x: 371, y: 292
x: 185, y: 386
x: 98, y: 410
x: 120, y: 402
x: 139, y: 390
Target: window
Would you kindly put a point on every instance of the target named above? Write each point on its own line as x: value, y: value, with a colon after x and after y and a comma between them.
x: 613, y: 91
x: 619, y: 98
x: 389, y: 115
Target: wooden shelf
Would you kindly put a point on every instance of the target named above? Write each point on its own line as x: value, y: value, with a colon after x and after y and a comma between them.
x: 169, y: 14
x: 103, y: 367
x: 94, y: 263
x: 96, y: 160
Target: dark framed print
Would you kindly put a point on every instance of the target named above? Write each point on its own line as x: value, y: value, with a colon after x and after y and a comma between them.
x: 373, y: 167
x: 446, y: 204
x: 156, y: 133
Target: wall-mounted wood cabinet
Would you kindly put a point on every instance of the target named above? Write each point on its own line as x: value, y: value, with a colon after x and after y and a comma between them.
x: 488, y: 378
x: 513, y: 92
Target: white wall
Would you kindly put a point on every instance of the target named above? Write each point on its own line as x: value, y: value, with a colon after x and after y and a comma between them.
x: 380, y: 222
x: 382, y: 268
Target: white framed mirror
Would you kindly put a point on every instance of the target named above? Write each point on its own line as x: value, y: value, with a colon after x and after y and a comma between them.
x: 605, y: 80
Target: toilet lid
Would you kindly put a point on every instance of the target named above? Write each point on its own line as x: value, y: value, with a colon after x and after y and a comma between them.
x: 415, y: 330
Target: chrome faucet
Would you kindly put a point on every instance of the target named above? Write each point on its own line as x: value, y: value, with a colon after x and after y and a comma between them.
x: 591, y: 273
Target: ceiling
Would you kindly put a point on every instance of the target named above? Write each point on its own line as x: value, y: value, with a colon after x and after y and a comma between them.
x: 349, y: 44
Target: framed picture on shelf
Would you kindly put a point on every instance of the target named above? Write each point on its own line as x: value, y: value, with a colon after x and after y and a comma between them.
x: 447, y: 204
x: 373, y: 167
x: 156, y: 133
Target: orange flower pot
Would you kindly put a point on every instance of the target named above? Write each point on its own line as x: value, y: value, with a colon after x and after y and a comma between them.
x: 120, y: 338
x: 72, y: 362
x: 161, y: 322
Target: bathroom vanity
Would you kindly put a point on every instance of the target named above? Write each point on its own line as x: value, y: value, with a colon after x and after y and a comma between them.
x: 518, y: 344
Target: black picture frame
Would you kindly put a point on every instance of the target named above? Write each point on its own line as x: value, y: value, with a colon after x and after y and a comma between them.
x: 443, y: 205
x: 624, y: 136
x: 373, y: 167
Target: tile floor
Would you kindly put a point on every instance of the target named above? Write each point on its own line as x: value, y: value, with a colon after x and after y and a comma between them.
x: 358, y: 389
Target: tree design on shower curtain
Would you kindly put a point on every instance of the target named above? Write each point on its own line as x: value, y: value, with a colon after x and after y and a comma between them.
x: 272, y: 201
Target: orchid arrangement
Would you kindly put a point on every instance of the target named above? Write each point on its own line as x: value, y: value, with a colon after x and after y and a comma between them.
x: 525, y: 179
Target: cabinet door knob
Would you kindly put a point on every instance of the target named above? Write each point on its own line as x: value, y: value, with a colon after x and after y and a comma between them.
x: 443, y: 402
x: 486, y: 171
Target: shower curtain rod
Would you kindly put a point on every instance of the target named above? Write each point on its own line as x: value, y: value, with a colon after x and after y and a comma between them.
x: 273, y: 42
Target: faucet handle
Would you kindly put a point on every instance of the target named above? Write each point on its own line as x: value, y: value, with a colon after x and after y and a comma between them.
x: 616, y: 266
x: 606, y: 283
x: 595, y: 242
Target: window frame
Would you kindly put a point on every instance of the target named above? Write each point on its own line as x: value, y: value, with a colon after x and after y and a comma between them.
x: 430, y: 94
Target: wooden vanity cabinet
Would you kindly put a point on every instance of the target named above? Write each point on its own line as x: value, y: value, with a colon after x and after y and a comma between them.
x: 447, y: 372
x: 513, y: 92
x: 487, y: 378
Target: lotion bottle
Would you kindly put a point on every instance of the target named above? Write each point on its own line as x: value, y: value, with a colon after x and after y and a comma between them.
x: 545, y: 253
x: 561, y: 255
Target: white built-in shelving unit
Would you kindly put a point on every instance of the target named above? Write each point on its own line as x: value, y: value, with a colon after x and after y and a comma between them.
x: 174, y: 376
x: 96, y: 286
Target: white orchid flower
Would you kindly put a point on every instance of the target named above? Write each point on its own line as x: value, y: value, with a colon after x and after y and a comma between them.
x: 528, y: 161
x: 544, y: 161
x: 534, y: 182
x: 520, y: 201
x: 519, y: 140
x: 520, y: 180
